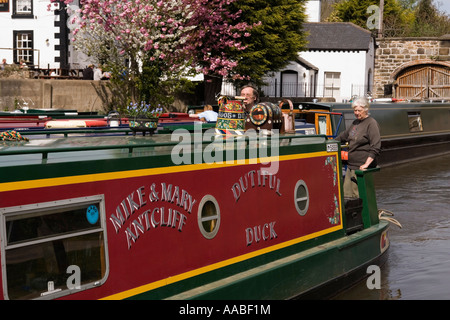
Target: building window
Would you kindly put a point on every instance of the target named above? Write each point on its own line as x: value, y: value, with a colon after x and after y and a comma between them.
x: 23, y: 47
x: 332, y: 84
x: 22, y: 9
x: 289, y: 84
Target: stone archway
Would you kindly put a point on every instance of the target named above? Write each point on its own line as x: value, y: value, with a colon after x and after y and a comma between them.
x: 422, y: 79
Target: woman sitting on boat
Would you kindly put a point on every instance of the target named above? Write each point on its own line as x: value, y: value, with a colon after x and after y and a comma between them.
x: 364, y: 140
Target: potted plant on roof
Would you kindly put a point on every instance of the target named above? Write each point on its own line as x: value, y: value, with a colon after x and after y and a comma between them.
x: 143, y: 117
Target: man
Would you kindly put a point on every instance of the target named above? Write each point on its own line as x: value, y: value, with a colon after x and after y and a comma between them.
x: 88, y: 73
x: 251, y: 96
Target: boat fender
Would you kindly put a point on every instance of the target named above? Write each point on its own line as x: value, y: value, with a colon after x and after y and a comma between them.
x: 62, y: 124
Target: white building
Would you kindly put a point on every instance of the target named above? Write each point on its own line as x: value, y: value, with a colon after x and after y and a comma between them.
x: 313, y: 10
x: 344, y: 55
x: 35, y: 34
x: 338, y: 63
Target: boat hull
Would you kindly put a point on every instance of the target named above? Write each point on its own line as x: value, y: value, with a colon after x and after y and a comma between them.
x: 139, y: 219
x: 317, y: 273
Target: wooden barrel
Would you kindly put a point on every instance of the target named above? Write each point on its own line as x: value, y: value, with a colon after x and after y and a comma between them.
x: 265, y: 115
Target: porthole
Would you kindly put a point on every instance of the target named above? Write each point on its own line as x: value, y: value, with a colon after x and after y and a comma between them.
x: 208, y: 216
x: 301, y: 197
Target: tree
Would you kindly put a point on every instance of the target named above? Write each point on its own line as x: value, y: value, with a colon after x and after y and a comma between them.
x: 215, y: 43
x: 276, y: 37
x: 401, y: 18
x: 355, y: 11
x: 429, y: 21
x: 152, y: 44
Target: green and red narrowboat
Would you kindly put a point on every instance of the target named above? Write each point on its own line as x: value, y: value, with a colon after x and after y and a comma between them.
x: 183, y: 216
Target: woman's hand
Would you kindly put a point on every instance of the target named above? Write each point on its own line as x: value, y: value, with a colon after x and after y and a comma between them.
x: 366, y: 164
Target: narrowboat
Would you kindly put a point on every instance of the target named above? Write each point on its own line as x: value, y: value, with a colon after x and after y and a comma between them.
x: 186, y: 215
x: 409, y: 130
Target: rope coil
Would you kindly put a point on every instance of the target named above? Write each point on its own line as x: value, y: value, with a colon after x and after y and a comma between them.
x: 11, y: 135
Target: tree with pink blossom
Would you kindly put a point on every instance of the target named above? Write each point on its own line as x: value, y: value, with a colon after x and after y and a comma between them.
x: 151, y: 45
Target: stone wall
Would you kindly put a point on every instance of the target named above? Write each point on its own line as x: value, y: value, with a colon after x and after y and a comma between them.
x: 394, y: 54
x: 57, y: 94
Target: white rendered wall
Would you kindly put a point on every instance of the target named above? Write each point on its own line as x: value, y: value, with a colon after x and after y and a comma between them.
x: 42, y: 25
x: 351, y: 66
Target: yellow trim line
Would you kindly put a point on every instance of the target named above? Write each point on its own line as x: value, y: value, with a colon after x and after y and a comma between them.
x: 214, y: 266
x: 68, y: 180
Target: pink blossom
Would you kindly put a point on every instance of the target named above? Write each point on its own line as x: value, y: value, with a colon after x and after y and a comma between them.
x: 197, y: 31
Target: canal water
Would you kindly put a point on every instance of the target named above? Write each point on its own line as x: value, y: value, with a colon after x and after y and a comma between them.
x: 418, y: 264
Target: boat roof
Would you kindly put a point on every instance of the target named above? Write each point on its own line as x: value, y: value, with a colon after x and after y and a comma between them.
x: 89, y: 148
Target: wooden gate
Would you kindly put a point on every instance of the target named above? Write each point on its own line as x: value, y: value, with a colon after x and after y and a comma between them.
x: 424, y: 81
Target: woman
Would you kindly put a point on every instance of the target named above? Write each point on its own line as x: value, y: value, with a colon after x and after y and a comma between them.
x: 364, y: 140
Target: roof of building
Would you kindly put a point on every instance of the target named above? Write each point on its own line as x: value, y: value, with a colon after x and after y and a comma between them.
x: 342, y: 36
x: 306, y: 64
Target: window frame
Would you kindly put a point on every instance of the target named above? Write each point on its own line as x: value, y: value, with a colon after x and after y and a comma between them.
x: 332, y: 84
x: 214, y: 218
x: 33, y: 210
x: 303, y: 209
x: 16, y: 56
x: 22, y: 15
x: 415, y: 123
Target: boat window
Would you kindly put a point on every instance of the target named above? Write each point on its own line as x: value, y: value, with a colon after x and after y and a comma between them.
x: 208, y: 216
x: 415, y: 121
x: 54, y: 249
x: 301, y: 197
x: 322, y: 122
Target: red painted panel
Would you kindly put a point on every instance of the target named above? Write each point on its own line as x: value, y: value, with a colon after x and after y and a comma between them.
x: 256, y: 212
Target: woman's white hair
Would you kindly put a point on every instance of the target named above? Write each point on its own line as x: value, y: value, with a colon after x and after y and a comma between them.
x: 362, y: 102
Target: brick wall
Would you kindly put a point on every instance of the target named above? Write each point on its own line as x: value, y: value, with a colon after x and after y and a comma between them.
x: 394, y: 54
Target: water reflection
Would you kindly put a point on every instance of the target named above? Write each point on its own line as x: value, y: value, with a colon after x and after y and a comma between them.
x: 419, y: 257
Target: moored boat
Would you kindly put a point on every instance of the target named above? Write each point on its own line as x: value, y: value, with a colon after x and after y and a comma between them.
x: 409, y: 130
x: 183, y: 216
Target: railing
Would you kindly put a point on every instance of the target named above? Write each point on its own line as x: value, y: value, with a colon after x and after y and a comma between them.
x: 301, y: 89
x: 367, y: 193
